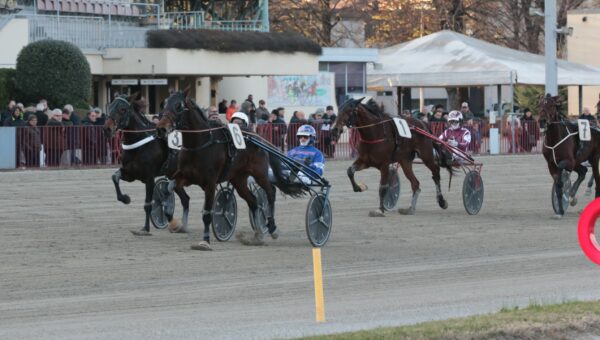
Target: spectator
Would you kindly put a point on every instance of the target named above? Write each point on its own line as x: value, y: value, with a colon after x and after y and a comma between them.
x: 278, y: 129
x: 91, y: 138
x: 249, y: 109
x: 316, y: 117
x: 262, y: 110
x: 54, y: 138
x: 406, y: 114
x: 329, y: 115
x: 223, y: 106
x: 213, y: 114
x: 531, y: 131
x: 281, y: 113
x: 437, y: 115
x: 32, y: 142
x: 70, y: 119
x: 298, y: 118
x: 466, y: 112
x: 587, y: 114
x: 16, y: 117
x: 8, y: 112
x: 233, y: 108
x: 40, y: 113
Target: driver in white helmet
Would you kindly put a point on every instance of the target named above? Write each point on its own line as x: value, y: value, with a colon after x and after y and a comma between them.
x: 240, y: 118
x: 456, y: 135
x: 306, y: 152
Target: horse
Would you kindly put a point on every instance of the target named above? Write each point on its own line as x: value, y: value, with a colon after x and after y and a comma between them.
x: 207, y: 157
x: 564, y: 151
x: 144, y: 157
x: 380, y: 145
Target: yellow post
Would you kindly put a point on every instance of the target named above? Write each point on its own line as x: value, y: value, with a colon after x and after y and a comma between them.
x: 318, y: 278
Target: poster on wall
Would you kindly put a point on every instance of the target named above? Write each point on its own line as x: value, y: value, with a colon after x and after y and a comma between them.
x: 288, y: 91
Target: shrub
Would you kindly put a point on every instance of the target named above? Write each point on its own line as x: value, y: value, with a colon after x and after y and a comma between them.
x: 7, y: 86
x: 55, y: 70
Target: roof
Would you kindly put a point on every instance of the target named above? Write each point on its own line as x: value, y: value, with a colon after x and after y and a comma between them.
x: 338, y: 54
x: 447, y: 58
x: 224, y: 41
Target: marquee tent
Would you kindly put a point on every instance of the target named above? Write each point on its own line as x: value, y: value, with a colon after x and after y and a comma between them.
x: 447, y: 58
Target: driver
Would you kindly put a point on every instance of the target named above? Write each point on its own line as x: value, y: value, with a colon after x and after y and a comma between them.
x: 456, y: 135
x: 241, y: 119
x: 306, y: 152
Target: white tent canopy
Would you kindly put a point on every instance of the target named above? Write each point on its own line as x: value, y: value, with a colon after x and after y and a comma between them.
x: 447, y: 58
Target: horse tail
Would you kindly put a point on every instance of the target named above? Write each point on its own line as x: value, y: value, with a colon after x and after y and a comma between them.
x: 444, y: 160
x: 291, y: 189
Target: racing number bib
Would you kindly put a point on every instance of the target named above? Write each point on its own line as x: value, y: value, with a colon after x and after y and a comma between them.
x: 237, y: 136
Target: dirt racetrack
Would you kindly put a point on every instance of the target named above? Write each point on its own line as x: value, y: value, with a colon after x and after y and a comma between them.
x: 70, y: 268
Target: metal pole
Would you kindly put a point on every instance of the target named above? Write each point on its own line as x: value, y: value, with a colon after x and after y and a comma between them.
x: 512, y: 110
x: 550, y: 46
x: 580, y: 93
x: 265, y: 15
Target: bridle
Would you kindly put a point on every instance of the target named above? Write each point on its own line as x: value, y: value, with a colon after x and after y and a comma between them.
x: 545, y: 102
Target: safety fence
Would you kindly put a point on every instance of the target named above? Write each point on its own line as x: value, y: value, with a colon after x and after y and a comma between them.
x: 88, y: 146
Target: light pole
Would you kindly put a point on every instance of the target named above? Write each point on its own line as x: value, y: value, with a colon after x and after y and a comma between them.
x: 550, y: 46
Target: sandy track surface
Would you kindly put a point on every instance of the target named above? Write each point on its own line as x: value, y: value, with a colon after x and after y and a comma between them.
x: 70, y: 268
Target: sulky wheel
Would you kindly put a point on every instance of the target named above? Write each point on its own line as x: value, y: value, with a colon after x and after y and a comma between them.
x: 391, y: 197
x: 259, y: 220
x: 318, y: 220
x: 473, y: 192
x: 163, y: 203
x: 224, y: 217
x: 566, y: 189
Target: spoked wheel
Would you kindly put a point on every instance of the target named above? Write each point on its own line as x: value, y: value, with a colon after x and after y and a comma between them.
x: 473, y: 192
x: 391, y: 197
x: 259, y: 220
x: 224, y: 218
x: 163, y: 203
x: 565, y: 197
x: 318, y: 220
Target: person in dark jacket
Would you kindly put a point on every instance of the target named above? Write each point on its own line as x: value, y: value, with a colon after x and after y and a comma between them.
x: 91, y: 147
x: 32, y: 142
x: 71, y: 120
x: 16, y: 118
x: 8, y: 112
x: 54, y: 138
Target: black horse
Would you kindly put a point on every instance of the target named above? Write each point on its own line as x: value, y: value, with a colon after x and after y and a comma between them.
x: 207, y: 157
x: 144, y: 157
x: 564, y: 151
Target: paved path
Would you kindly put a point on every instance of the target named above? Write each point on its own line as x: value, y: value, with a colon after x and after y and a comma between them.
x: 70, y: 268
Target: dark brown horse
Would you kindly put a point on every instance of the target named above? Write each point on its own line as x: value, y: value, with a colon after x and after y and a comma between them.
x: 564, y: 151
x: 207, y: 157
x: 380, y: 146
x: 144, y: 156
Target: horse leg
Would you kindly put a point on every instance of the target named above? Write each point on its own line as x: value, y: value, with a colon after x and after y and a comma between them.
x: 590, y: 183
x: 116, y: 177
x: 174, y: 225
x: 145, y: 231
x: 429, y: 162
x: 383, y: 189
x: 263, y: 182
x: 596, y: 172
x: 209, y: 198
x: 358, y: 165
x: 414, y: 183
x: 581, y: 171
x: 558, y: 191
x: 241, y: 186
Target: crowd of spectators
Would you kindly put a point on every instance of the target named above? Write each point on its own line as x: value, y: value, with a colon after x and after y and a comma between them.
x: 54, y: 137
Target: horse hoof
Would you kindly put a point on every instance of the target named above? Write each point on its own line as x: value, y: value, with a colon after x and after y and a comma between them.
x: 444, y: 205
x: 363, y: 187
x: 573, y: 201
x: 558, y: 217
x: 408, y: 211
x: 141, y: 232
x: 255, y: 239
x: 274, y: 235
x: 202, y: 245
x: 125, y: 199
x: 376, y: 213
x: 176, y: 227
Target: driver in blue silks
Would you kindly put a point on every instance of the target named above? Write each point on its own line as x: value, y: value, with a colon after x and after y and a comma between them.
x: 306, y: 152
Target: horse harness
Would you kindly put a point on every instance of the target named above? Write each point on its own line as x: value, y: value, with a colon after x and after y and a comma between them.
x: 569, y: 135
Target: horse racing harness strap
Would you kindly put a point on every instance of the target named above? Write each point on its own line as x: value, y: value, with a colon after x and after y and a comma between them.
x: 559, y: 143
x: 138, y: 143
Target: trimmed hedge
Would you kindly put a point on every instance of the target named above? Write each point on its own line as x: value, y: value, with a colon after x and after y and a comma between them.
x: 7, y: 86
x: 55, y: 70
